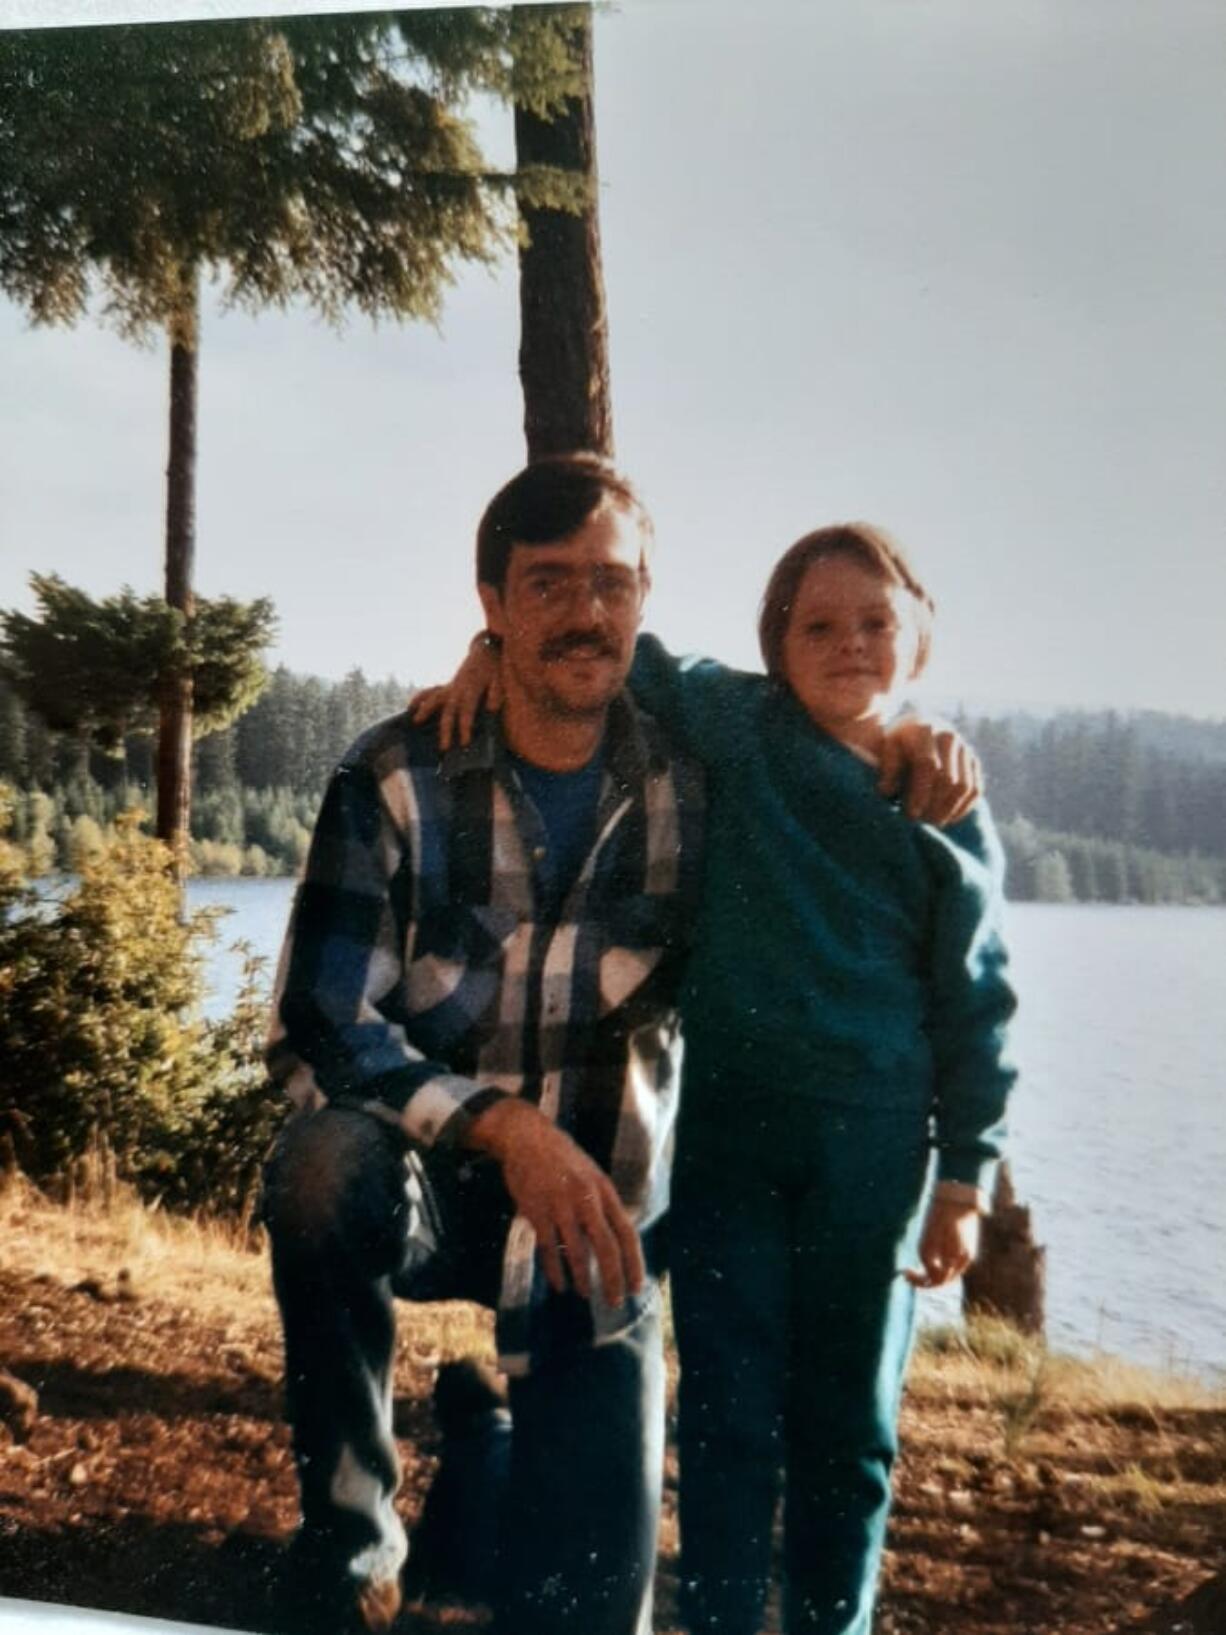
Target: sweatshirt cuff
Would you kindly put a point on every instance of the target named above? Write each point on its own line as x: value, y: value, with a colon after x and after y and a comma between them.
x: 961, y: 1167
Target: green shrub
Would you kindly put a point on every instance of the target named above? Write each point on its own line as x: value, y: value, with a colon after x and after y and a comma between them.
x: 102, y: 1041
x: 12, y: 858
x: 96, y: 998
x: 86, y: 842
x: 35, y: 832
x: 212, y: 1157
x: 216, y: 857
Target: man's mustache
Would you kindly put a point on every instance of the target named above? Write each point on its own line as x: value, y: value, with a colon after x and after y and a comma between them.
x: 580, y: 641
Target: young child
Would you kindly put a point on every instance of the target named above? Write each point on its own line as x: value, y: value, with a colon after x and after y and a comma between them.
x: 844, y: 1012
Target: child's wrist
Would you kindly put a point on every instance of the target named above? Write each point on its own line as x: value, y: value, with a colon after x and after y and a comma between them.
x: 962, y: 1195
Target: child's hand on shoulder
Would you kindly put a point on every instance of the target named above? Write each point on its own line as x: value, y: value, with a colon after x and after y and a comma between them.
x: 476, y: 685
x: 933, y: 767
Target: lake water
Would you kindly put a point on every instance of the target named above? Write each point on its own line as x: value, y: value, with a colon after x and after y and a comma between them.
x: 1119, y: 1123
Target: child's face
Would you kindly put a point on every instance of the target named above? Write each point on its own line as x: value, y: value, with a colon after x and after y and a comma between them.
x: 851, y: 641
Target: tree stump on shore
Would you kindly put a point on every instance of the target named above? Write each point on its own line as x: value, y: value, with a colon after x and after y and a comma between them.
x: 1009, y: 1279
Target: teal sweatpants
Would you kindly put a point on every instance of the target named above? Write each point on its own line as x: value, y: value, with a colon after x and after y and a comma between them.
x: 791, y: 1223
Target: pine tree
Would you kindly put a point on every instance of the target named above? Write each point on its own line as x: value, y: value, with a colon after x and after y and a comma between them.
x: 324, y: 159
x: 1053, y: 883
x: 13, y: 768
x: 94, y: 670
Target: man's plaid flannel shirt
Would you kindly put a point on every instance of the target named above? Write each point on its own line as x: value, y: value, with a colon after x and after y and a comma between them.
x: 421, y: 977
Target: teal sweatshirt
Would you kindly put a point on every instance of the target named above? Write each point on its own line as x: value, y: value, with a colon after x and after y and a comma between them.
x: 844, y: 954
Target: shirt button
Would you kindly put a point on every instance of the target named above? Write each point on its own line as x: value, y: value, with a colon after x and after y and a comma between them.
x: 538, y: 854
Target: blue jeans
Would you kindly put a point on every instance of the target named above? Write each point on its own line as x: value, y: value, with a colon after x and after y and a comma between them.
x: 582, y: 1499
x: 583, y: 1502
x: 789, y: 1224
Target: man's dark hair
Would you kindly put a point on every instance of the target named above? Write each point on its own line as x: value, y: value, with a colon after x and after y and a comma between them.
x: 545, y: 503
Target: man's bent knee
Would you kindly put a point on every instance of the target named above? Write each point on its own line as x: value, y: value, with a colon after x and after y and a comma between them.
x: 335, y: 1182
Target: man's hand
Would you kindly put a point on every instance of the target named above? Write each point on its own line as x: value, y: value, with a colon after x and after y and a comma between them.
x: 476, y: 683
x: 949, y: 1244
x: 567, y: 1199
x: 942, y: 772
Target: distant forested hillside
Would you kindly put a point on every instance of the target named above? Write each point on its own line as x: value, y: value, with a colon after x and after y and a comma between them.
x: 1099, y: 807
x: 257, y: 784
x: 1108, y: 807
x: 1187, y: 737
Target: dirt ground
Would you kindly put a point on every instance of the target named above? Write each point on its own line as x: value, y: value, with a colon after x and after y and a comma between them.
x: 156, y: 1476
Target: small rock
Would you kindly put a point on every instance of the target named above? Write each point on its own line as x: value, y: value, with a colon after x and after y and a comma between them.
x: 1092, y: 1531
x: 18, y: 1405
x: 93, y: 1288
x: 78, y: 1475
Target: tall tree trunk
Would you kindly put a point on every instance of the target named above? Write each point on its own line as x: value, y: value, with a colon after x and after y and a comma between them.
x: 564, y: 335
x: 175, y: 719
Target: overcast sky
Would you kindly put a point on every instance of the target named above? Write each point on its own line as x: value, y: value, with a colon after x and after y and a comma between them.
x: 959, y: 269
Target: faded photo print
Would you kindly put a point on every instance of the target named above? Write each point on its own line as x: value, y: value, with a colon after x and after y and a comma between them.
x: 613, y: 818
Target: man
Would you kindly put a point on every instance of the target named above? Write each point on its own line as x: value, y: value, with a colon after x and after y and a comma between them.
x: 482, y: 966
x: 483, y: 962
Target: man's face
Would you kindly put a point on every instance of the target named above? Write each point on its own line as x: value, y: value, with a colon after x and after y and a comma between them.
x: 568, y: 615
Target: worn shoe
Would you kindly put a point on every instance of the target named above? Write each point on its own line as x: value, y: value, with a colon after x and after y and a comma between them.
x: 324, y: 1598
x: 454, y: 1549
x: 463, y: 1391
x: 378, y: 1603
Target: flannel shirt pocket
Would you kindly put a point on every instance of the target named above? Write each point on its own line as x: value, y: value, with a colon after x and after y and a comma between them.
x: 637, y: 935
x: 454, y: 971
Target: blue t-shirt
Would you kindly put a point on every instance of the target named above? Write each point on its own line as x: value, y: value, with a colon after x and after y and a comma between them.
x: 567, y: 803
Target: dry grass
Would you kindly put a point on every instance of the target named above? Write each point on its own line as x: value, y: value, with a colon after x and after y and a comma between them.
x: 218, y: 1268
x: 1104, y: 1383
x: 1034, y: 1494
x: 223, y: 1271
x: 1131, y: 1441
x: 991, y: 1362
x: 92, y: 1239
